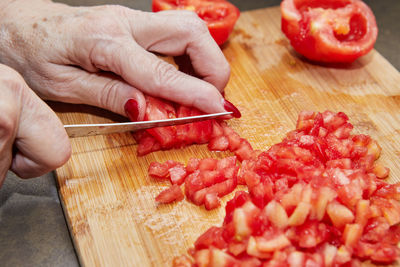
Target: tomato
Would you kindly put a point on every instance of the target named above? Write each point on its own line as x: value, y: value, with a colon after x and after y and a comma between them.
x: 219, y: 15
x: 171, y: 194
x: 315, y: 199
x: 329, y: 30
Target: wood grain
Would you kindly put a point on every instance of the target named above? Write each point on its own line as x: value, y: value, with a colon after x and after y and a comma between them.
x: 108, y: 198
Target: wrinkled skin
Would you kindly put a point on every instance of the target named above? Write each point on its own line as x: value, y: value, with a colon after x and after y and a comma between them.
x: 105, y: 55
x: 29, y: 149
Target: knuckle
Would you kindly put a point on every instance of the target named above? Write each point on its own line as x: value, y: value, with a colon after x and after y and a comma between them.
x: 108, y: 21
x: 109, y: 94
x: 165, y: 74
x: 195, y: 25
x: 8, y: 127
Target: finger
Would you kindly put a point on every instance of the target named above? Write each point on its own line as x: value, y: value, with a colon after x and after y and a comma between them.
x: 38, y: 136
x: 8, y: 126
x: 182, y: 32
x: 148, y: 73
x: 104, y: 90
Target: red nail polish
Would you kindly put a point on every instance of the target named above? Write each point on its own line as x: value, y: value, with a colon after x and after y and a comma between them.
x: 230, y: 107
x: 132, y: 109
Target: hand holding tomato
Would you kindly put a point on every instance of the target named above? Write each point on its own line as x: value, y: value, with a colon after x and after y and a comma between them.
x: 102, y: 55
x: 32, y: 139
x: 329, y: 30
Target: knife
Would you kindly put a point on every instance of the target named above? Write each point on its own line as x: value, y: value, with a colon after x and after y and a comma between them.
x: 79, y: 130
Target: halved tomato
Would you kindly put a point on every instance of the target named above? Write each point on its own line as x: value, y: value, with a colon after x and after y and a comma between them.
x: 220, y: 15
x: 330, y: 30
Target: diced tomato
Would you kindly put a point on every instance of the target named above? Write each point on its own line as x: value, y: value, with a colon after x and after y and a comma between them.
x: 157, y: 109
x: 329, y: 31
x: 158, y: 170
x: 211, y: 201
x: 193, y: 183
x: 314, y: 199
x: 211, y: 177
x: 192, y: 165
x: 226, y: 163
x: 220, y: 143
x: 171, y: 194
x: 208, y: 164
x: 146, y: 144
x: 177, y: 174
x: 244, y: 151
x: 217, y: 129
x: 213, y: 237
x: 220, y: 16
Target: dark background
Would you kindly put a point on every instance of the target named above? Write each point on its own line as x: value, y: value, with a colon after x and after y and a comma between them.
x: 33, y: 231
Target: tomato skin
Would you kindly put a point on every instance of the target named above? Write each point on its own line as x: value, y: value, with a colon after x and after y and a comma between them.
x: 219, y: 15
x: 329, y: 31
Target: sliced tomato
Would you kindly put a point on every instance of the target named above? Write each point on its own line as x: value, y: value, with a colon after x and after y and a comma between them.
x: 312, y: 201
x: 219, y: 15
x: 171, y: 194
x: 329, y: 31
x: 212, y: 237
x: 157, y: 109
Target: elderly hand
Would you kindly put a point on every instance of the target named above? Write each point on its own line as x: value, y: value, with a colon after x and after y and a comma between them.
x: 102, y: 56
x: 32, y: 139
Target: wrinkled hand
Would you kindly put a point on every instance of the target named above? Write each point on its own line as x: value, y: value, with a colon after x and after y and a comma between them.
x: 102, y: 56
x: 32, y: 139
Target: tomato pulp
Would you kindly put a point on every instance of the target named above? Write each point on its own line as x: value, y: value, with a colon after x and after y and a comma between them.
x: 330, y: 30
x: 220, y: 15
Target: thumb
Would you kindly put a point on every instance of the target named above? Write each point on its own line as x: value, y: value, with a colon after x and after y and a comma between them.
x: 29, y: 128
x: 104, y: 90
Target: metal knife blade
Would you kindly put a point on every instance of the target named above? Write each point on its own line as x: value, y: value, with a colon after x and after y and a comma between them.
x: 79, y: 130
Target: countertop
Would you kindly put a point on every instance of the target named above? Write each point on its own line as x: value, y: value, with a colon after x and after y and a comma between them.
x: 33, y: 231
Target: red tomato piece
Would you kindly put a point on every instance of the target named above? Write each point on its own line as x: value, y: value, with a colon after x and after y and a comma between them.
x: 193, y: 183
x: 177, y: 174
x: 217, y: 129
x: 226, y: 163
x: 213, y: 237
x: 192, y: 165
x: 211, y: 177
x: 211, y: 201
x: 219, y: 143
x: 245, y: 151
x: 208, y: 164
x: 146, y: 143
x: 219, y: 15
x: 329, y: 31
x: 157, y: 109
x: 171, y: 194
x: 158, y: 170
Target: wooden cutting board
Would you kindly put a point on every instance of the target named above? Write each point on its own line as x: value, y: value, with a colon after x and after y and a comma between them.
x: 108, y: 197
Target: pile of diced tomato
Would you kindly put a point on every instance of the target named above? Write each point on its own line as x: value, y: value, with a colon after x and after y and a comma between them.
x: 315, y: 199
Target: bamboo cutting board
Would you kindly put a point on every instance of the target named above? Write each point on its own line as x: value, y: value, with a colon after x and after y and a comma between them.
x: 108, y: 197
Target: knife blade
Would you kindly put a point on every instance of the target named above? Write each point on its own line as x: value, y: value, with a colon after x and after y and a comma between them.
x: 79, y: 130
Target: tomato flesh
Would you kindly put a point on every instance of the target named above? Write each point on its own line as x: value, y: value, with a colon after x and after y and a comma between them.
x: 219, y: 15
x: 329, y: 31
x: 311, y: 201
x: 316, y: 198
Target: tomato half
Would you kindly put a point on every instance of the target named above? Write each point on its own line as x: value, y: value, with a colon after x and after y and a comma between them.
x: 329, y: 30
x: 220, y: 15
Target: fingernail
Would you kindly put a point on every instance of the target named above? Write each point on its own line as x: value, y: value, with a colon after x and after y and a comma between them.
x: 132, y: 109
x: 230, y: 107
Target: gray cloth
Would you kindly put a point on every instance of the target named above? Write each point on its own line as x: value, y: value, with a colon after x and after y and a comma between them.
x: 33, y: 230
